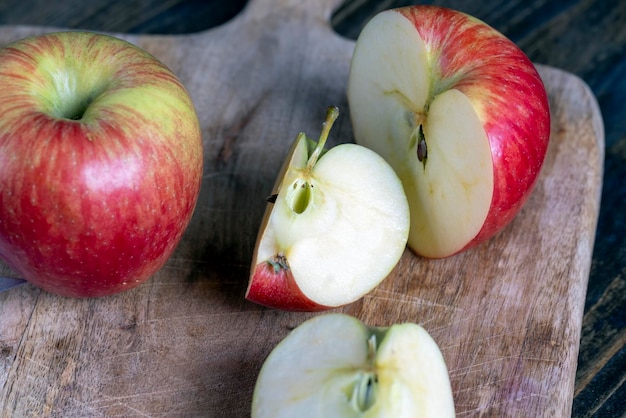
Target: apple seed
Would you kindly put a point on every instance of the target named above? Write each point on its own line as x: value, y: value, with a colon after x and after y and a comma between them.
x: 422, y: 151
x: 364, y: 391
x: 299, y: 195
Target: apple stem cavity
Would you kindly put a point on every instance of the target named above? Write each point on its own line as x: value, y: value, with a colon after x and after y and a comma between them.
x: 77, y: 111
x: 299, y: 196
x: 75, y: 96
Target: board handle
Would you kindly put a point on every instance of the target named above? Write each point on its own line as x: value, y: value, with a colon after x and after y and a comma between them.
x: 316, y: 9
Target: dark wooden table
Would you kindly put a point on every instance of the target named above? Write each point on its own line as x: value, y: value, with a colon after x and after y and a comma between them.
x: 584, y: 37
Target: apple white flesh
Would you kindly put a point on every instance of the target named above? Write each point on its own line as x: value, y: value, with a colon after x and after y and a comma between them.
x: 100, y: 162
x: 333, y: 365
x: 460, y: 113
x: 337, y: 228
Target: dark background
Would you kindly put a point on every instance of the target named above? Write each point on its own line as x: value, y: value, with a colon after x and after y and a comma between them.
x: 584, y: 37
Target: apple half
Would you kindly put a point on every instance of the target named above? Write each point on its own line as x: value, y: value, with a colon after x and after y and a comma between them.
x: 333, y: 365
x: 460, y: 113
x: 337, y: 227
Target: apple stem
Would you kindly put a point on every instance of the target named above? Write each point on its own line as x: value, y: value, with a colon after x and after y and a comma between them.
x: 332, y: 113
x: 299, y: 195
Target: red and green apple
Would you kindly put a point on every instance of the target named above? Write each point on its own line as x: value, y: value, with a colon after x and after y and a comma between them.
x: 461, y: 114
x: 100, y: 162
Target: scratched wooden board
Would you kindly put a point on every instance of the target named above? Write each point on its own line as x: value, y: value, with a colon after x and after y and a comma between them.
x: 506, y: 314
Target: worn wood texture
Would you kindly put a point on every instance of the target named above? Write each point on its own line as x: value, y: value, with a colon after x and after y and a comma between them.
x: 507, y: 314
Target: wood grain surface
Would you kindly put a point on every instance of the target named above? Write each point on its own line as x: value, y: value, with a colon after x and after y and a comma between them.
x: 506, y: 314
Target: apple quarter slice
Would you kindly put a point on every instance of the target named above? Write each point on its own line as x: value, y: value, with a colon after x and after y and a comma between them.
x: 337, y: 227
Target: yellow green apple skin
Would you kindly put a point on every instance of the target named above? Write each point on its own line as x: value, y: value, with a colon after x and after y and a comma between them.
x: 101, y: 161
x: 461, y: 114
x: 333, y: 365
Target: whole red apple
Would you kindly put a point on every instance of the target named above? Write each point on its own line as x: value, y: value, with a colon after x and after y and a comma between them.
x: 461, y: 114
x: 100, y: 162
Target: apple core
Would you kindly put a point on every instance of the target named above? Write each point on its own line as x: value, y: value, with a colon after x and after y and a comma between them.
x: 364, y: 392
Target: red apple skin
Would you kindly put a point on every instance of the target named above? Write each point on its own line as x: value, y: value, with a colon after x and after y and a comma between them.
x: 93, y: 207
x: 273, y: 286
x: 508, y: 94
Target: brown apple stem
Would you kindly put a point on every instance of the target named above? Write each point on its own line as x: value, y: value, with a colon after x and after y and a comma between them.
x: 332, y: 113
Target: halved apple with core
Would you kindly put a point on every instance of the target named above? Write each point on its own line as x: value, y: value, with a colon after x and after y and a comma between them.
x: 338, y: 226
x: 333, y: 365
x: 461, y: 114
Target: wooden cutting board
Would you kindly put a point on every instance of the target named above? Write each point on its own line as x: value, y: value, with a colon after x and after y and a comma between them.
x: 507, y: 314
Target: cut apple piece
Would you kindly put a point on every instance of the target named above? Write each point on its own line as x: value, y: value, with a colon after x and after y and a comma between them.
x: 337, y: 227
x: 333, y: 365
x: 459, y: 112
